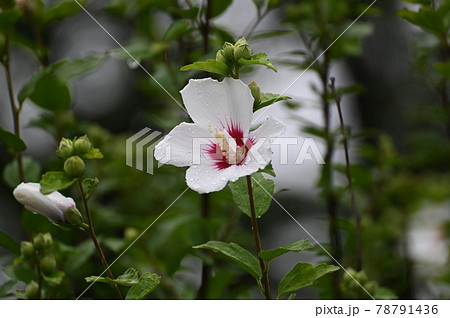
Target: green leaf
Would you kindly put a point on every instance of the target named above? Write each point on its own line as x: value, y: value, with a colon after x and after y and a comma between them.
x: 11, y: 141
x: 273, y: 4
x: 141, y: 50
x: 443, y: 68
x: 302, y: 275
x: 211, y: 66
x: 89, y: 184
x: 94, y: 153
x: 8, y: 18
x: 259, y: 58
x: 268, y: 99
x: 147, y: 283
x: 77, y: 67
x: 129, y: 278
x: 424, y: 2
x: 7, y: 242
x: 262, y: 190
x: 55, y: 278
x: 426, y: 18
x: 31, y: 171
x: 177, y: 29
x: 51, y: 93
x: 218, y: 7
x: 61, y: 10
x: 5, y: 289
x: 237, y: 255
x: 269, y: 170
x: 55, y: 181
x: 299, y: 246
x: 383, y: 293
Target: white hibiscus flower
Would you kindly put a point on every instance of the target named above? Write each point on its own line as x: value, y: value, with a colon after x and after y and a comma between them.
x: 53, y: 206
x: 219, y: 146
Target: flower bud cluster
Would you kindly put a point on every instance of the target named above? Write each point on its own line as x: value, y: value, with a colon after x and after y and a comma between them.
x: 230, y: 54
x: 73, y: 151
x: 38, y: 253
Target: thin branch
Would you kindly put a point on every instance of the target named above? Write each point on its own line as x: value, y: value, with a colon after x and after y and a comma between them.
x: 94, y: 239
x: 356, y: 214
x: 255, y: 231
x: 15, y: 110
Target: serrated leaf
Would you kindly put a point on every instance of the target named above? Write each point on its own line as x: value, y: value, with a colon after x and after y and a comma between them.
x: 129, y: 278
x: 268, y: 99
x: 236, y: 254
x: 177, y: 29
x: 89, y: 184
x: 303, y: 275
x: 299, y: 246
x: 9, y: 243
x: 55, y: 278
x: 80, y: 66
x: 259, y: 58
x: 61, y: 10
x: 8, y: 18
x: 262, y: 190
x: 211, y: 66
x: 94, y: 153
x: 147, y: 283
x: 31, y: 172
x: 55, y: 181
x: 11, y: 141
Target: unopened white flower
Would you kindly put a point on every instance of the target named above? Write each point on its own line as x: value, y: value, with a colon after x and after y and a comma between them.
x: 53, y: 205
x: 219, y: 146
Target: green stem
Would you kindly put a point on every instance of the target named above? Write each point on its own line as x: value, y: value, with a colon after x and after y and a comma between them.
x: 255, y: 231
x: 327, y: 176
x: 39, y: 277
x: 15, y: 110
x: 94, y: 239
x: 349, y: 177
x: 203, y: 290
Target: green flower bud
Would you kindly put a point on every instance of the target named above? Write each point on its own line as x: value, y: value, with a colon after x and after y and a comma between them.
x: 351, y: 273
x: 48, y: 264
x: 82, y: 145
x: 242, y: 50
x: 27, y: 250
x: 65, y: 148
x: 32, y: 290
x: 220, y: 57
x: 228, y: 51
x: 42, y: 241
x: 256, y: 93
x: 73, y: 216
x: 74, y: 166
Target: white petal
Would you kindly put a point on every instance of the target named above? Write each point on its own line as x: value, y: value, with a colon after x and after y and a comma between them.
x: 181, y: 144
x: 51, y: 206
x: 219, y: 103
x: 261, y: 152
x: 207, y: 178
